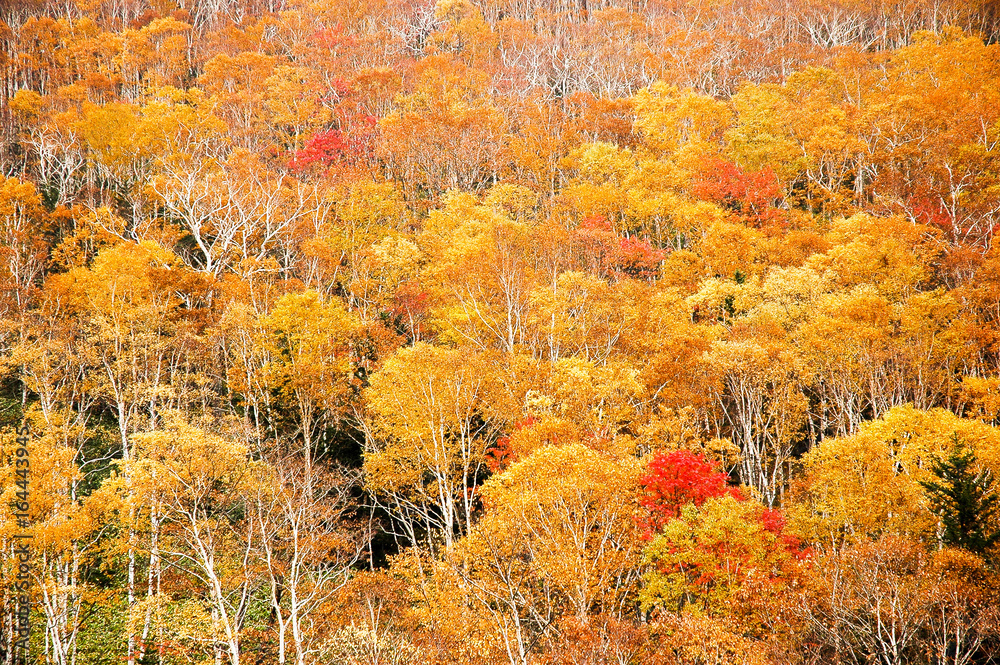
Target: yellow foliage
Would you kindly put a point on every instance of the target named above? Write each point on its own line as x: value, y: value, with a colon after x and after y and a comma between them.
x: 862, y: 486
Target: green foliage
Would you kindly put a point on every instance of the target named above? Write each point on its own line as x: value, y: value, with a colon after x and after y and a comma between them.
x: 966, y: 500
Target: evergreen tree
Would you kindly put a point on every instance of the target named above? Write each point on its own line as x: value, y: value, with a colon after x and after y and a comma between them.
x: 966, y: 501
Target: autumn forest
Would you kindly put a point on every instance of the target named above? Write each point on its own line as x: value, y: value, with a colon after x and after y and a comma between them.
x: 499, y: 332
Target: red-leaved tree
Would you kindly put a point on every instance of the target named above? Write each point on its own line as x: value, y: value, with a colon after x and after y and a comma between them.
x: 675, y: 479
x: 750, y: 195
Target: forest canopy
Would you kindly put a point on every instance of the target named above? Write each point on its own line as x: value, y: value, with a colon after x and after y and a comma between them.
x: 482, y: 332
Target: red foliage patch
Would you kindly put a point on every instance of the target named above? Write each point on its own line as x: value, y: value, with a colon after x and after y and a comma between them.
x: 637, y: 258
x: 751, y: 196
x: 676, y: 479
x: 774, y: 521
x: 336, y: 148
x: 611, y: 255
x: 333, y: 38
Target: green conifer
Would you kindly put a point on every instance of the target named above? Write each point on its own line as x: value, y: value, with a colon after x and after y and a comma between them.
x: 965, y: 500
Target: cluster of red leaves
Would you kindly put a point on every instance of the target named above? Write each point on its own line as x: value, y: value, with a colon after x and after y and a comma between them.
x: 675, y: 479
x: 333, y: 38
x: 926, y: 208
x: 340, y: 88
x: 681, y: 478
x: 617, y: 256
x: 336, y: 148
x: 750, y: 196
x: 774, y: 521
x: 324, y: 148
x: 636, y: 258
